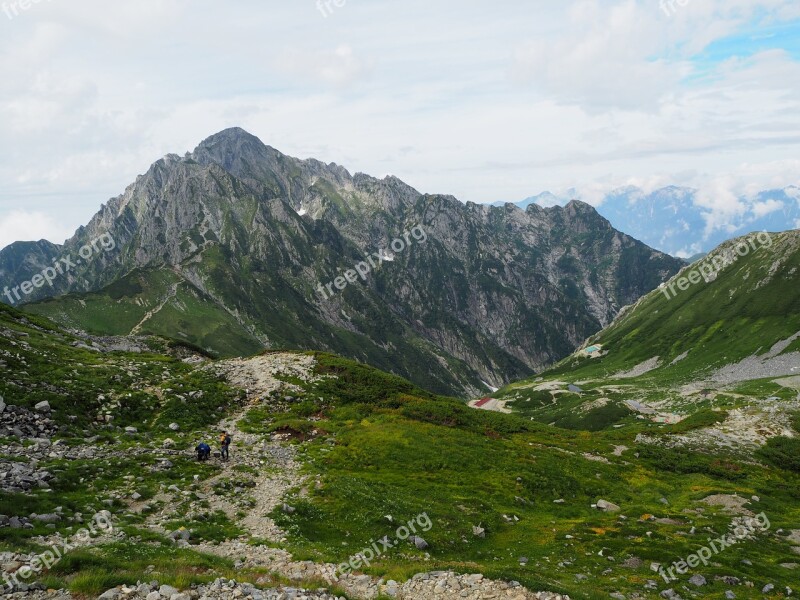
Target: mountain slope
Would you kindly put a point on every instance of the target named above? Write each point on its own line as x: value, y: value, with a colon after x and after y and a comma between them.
x: 328, y: 456
x: 714, y: 353
x: 477, y: 294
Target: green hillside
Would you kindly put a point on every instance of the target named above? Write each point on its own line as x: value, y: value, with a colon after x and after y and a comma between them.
x: 716, y: 361
x: 366, y: 445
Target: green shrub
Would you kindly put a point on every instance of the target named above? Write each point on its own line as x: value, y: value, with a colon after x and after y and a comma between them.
x: 700, y: 419
x: 782, y: 452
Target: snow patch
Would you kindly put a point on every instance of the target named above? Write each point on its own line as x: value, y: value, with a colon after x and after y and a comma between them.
x: 492, y: 389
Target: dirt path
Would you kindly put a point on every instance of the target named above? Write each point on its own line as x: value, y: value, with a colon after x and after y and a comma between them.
x: 173, y: 290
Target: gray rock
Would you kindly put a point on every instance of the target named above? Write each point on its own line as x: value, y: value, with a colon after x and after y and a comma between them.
x: 698, y: 580
x: 167, y: 591
x: 418, y: 542
x: 729, y: 595
x: 43, y: 406
x: 606, y: 506
x: 767, y: 588
x: 49, y: 518
x: 181, y: 534
x: 174, y: 426
x: 633, y: 562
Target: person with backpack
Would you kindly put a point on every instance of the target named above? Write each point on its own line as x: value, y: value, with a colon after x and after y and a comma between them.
x: 203, y: 451
x: 224, y: 443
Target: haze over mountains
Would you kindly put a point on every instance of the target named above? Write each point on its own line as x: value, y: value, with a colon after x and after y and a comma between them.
x: 679, y: 220
x: 227, y: 246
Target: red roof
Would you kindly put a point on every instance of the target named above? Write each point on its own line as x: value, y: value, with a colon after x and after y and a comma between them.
x: 483, y: 402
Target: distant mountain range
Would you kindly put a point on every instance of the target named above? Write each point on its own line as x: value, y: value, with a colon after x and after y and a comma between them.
x: 236, y: 247
x: 673, y: 219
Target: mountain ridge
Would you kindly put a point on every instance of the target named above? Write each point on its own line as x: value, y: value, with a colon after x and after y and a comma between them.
x: 244, y: 235
x: 690, y: 229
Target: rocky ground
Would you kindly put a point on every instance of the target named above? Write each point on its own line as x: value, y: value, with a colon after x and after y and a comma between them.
x: 279, y: 472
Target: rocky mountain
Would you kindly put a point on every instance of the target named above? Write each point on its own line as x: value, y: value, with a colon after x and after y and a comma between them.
x: 236, y: 247
x: 676, y: 219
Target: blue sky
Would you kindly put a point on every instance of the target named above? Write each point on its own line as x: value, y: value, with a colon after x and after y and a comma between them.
x: 484, y: 101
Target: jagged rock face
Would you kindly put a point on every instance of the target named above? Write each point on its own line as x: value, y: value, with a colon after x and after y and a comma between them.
x: 491, y: 293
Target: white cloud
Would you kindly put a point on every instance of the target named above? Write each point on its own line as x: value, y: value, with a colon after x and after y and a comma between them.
x: 761, y: 209
x: 605, y: 59
x: 339, y: 66
x: 494, y: 105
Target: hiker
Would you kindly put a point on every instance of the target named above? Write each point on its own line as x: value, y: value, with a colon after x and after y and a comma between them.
x: 203, y: 451
x: 224, y: 443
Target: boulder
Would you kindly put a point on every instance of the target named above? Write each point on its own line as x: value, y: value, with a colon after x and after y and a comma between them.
x: 698, y: 580
x: 43, y: 406
x: 180, y: 534
x: 167, y: 591
x: 606, y: 506
x: 418, y: 542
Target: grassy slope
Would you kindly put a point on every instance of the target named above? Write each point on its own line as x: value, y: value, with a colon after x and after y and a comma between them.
x: 117, y: 309
x: 191, y: 317
x: 388, y: 447
x: 717, y: 323
x: 39, y: 364
x: 398, y: 451
x: 753, y: 304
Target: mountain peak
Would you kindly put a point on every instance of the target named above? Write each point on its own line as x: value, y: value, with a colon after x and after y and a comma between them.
x: 238, y: 152
x: 232, y: 134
